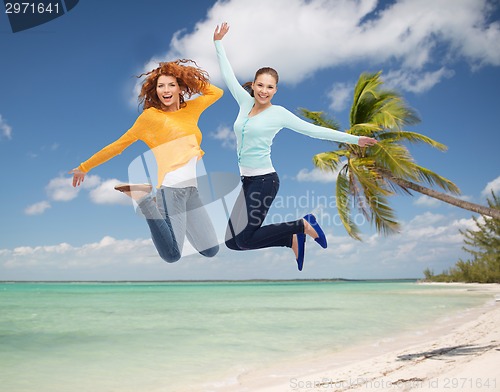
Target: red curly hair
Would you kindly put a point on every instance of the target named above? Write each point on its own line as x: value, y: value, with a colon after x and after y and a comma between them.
x: 191, y: 80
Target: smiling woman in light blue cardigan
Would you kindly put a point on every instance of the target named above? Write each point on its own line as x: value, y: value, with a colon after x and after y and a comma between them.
x: 256, y: 125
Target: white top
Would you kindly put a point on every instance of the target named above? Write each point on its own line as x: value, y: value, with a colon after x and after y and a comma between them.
x: 182, y: 177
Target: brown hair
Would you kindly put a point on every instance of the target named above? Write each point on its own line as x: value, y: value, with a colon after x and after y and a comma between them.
x: 266, y: 70
x: 191, y: 80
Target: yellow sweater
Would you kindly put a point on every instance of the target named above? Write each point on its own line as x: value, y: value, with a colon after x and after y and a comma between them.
x: 174, y: 137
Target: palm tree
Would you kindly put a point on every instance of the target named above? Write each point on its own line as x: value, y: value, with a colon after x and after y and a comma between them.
x: 368, y: 176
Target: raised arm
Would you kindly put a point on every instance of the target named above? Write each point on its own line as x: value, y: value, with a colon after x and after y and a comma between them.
x: 221, y: 31
x: 237, y: 91
x: 212, y: 93
x: 209, y: 95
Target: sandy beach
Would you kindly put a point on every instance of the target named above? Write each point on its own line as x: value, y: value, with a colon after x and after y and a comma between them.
x: 459, y: 354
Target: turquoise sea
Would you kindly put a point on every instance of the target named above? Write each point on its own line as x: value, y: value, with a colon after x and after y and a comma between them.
x: 164, y: 336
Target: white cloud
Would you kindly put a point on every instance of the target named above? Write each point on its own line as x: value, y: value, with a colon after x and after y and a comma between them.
x: 104, y: 193
x: 5, y: 129
x: 415, y: 82
x: 427, y: 241
x: 415, y: 38
x: 101, y: 191
x: 65, y: 256
x: 316, y: 175
x: 492, y: 186
x: 61, y: 189
x: 426, y: 201
x: 340, y: 95
x: 435, y: 230
x: 426, y: 219
x: 226, y: 135
x: 91, y: 181
x: 37, y: 208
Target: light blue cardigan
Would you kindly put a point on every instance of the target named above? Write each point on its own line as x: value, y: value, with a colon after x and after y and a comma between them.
x: 255, y: 134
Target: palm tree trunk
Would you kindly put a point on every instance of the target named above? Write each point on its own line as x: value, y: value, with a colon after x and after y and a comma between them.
x: 483, y: 210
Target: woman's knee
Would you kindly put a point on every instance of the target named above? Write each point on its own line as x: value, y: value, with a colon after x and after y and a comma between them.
x: 231, y: 244
x: 242, y: 243
x: 170, y: 256
x: 210, y: 252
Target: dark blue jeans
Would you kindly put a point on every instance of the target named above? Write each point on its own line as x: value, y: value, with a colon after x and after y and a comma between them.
x: 245, y: 230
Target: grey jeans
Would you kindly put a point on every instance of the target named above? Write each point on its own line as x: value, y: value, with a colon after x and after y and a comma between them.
x: 176, y: 214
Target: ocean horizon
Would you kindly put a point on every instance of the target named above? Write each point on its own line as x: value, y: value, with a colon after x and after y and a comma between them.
x: 217, y: 280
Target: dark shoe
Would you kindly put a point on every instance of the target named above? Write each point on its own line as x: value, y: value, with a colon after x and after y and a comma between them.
x: 301, y: 243
x: 321, y: 239
x: 134, y: 188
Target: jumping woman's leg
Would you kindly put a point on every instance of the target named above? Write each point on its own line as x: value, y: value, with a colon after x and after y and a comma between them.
x: 199, y: 228
x: 259, y: 194
x: 160, y: 225
x: 237, y: 222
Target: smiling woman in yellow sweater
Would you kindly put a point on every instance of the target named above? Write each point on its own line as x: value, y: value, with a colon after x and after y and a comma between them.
x: 169, y: 127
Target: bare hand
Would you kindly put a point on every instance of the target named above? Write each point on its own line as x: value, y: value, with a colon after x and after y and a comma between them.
x: 365, y: 141
x: 78, y: 176
x: 219, y: 33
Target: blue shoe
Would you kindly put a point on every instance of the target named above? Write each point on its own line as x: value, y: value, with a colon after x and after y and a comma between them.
x: 321, y: 239
x: 301, y: 242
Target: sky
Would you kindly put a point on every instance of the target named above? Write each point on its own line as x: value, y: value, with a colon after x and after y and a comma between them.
x: 68, y: 88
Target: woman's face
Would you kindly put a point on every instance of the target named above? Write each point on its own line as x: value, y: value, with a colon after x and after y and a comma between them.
x: 264, y: 87
x: 168, y: 92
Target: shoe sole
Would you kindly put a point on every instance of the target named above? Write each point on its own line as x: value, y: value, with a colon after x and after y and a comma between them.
x: 301, y: 242
x: 321, y: 239
x: 133, y: 187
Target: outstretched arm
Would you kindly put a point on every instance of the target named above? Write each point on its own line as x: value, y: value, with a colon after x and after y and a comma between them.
x: 297, y: 124
x: 78, y: 176
x: 365, y: 141
x: 107, y: 152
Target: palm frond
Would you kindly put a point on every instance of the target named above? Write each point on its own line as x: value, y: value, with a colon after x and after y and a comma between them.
x: 364, y: 129
x: 373, y: 204
x: 394, y: 158
x: 432, y: 179
x: 342, y: 192
x: 319, y: 118
x: 367, y: 86
x: 364, y: 91
x: 378, y: 106
x: 391, y: 111
x: 412, y: 137
x: 383, y: 216
x: 329, y: 160
x: 366, y: 174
